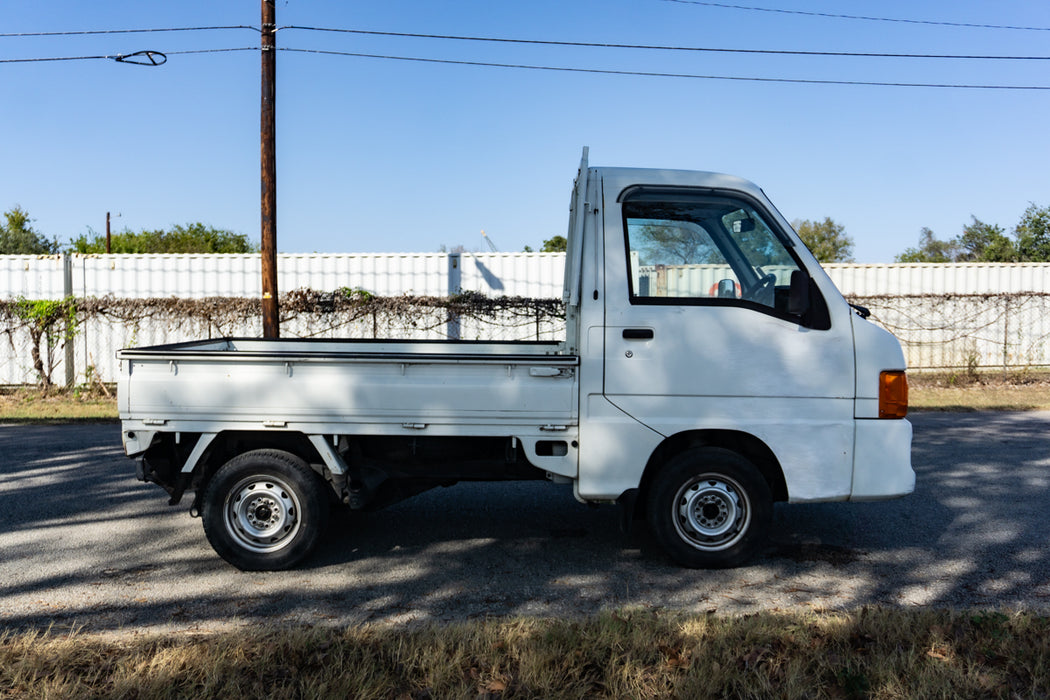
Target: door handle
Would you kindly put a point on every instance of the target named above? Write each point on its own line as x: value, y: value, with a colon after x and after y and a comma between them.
x: 637, y: 333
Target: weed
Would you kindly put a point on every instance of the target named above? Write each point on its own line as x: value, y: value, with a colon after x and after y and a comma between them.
x: 356, y: 294
x: 973, y: 362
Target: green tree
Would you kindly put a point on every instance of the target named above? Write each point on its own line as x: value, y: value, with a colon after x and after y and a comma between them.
x: 1033, y: 235
x: 555, y: 244
x: 826, y: 239
x: 674, y: 243
x: 192, y: 238
x: 17, y: 236
x: 981, y: 242
x: 931, y: 249
x: 47, y: 321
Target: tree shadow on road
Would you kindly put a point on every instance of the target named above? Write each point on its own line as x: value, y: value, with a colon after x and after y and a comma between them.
x: 95, y: 548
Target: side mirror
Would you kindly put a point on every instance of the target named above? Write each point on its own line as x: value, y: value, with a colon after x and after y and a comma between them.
x: 798, y: 293
x: 727, y: 289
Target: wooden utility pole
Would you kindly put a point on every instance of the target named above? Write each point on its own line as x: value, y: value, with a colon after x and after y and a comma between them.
x: 268, y: 136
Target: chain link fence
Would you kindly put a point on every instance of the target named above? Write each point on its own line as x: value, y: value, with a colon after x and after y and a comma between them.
x: 967, y: 331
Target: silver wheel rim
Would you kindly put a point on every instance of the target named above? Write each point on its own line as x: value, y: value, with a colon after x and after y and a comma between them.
x: 711, y: 512
x: 262, y: 513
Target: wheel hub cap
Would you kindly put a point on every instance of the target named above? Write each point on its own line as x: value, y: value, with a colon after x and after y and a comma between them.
x: 710, y: 513
x: 262, y: 514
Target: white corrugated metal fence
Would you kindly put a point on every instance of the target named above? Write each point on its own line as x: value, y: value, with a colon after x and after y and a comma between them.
x: 947, y: 315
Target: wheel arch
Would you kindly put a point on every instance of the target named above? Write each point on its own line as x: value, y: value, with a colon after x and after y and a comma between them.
x: 745, y: 444
x: 228, y: 444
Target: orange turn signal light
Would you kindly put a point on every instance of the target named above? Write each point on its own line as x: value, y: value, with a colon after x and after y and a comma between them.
x: 893, y: 394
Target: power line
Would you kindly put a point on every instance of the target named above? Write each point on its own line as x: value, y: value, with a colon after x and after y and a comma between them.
x: 122, y: 57
x: 859, y: 17
x: 565, y: 69
x: 127, y: 31
x: 652, y: 47
x: 541, y: 42
x: 56, y: 58
x: 193, y: 51
x: 648, y: 74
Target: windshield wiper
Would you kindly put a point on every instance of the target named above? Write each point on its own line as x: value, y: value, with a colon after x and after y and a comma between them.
x: 862, y: 311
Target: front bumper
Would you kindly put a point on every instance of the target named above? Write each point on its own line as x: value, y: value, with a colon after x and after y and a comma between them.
x: 882, y: 460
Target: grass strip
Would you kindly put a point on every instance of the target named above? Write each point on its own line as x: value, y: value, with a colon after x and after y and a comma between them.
x: 869, y: 653
x: 29, y: 405
x: 980, y: 398
x: 979, y: 391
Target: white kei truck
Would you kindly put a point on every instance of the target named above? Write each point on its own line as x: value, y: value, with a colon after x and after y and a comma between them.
x: 710, y: 368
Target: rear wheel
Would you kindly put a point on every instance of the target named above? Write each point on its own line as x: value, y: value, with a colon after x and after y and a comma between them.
x: 709, y: 508
x: 264, y: 510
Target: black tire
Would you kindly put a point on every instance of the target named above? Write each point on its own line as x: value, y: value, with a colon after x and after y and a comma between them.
x: 709, y: 508
x: 264, y: 510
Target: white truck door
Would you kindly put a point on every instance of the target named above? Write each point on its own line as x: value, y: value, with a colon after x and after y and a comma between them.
x: 702, y: 332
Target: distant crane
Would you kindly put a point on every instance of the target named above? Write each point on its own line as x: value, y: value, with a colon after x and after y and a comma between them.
x: 492, y: 246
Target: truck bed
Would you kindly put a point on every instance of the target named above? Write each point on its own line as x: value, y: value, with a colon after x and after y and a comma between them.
x: 345, y: 387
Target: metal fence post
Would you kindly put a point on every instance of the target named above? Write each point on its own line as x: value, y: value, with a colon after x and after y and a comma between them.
x: 455, y: 282
x: 1006, y: 332
x: 67, y: 292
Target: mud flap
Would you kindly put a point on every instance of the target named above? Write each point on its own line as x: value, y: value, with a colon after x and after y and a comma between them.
x: 627, y: 501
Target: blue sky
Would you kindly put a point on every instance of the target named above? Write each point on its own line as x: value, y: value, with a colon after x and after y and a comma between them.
x: 383, y: 156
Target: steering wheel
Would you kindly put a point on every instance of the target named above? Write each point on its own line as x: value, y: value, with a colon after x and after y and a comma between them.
x: 760, y: 286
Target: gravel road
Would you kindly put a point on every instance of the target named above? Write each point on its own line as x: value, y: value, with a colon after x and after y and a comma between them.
x: 83, y: 543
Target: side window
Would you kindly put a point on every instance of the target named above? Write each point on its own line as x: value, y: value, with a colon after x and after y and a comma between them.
x: 704, y: 249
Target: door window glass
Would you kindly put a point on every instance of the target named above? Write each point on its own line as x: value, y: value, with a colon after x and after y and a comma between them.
x: 706, y: 248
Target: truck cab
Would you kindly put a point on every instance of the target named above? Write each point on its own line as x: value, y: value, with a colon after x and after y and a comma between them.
x: 708, y: 329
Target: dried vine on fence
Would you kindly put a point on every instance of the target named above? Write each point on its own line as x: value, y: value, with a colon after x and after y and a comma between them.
x: 967, y: 330
x: 937, y: 330
x: 320, y: 313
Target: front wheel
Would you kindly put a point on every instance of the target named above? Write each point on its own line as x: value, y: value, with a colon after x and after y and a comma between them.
x: 264, y: 510
x: 709, y: 508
